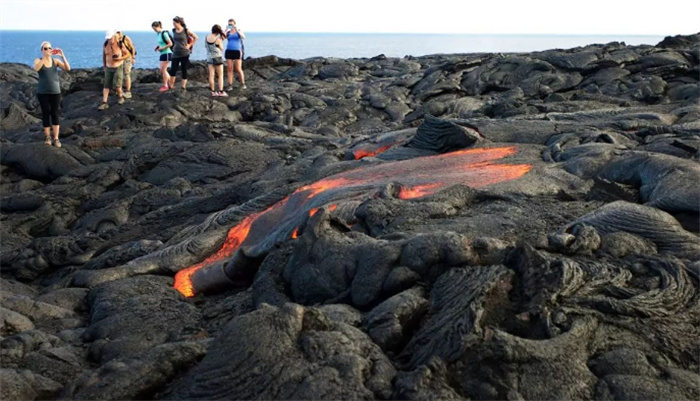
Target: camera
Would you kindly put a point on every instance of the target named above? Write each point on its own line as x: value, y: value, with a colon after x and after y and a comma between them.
x: 114, y: 56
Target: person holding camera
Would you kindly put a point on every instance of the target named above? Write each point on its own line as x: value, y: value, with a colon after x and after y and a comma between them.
x: 215, y: 60
x: 234, y: 53
x: 112, y: 59
x: 48, y: 89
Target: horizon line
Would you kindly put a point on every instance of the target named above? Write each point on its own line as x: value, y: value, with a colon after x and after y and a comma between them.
x: 381, y: 33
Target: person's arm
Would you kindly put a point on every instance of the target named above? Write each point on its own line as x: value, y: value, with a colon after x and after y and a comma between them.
x: 37, y: 64
x: 63, y: 64
x: 240, y: 33
x: 194, y: 37
x: 219, y: 42
x: 104, y: 57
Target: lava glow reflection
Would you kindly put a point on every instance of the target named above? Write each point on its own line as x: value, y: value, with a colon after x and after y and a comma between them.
x: 418, y: 177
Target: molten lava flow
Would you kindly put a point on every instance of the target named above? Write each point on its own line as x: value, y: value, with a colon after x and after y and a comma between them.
x: 234, y: 239
x: 418, y: 177
x: 360, y: 153
x: 417, y: 191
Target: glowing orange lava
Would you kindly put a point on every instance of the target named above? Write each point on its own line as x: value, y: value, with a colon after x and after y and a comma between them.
x: 418, y: 177
x: 417, y: 191
x: 360, y: 153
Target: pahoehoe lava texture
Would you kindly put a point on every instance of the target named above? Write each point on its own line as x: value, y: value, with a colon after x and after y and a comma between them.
x: 478, y: 226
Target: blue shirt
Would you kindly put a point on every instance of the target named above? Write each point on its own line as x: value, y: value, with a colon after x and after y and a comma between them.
x: 234, y: 41
x: 164, y: 34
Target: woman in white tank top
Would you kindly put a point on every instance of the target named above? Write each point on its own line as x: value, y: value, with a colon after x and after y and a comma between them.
x: 215, y: 61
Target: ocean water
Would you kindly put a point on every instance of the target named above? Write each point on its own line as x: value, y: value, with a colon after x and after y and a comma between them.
x: 84, y: 48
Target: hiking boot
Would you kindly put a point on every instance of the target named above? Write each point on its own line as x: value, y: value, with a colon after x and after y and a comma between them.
x: 121, y: 100
x: 103, y: 106
x: 164, y: 88
x: 127, y: 95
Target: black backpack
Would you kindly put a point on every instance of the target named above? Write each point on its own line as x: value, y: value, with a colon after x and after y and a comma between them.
x: 163, y: 37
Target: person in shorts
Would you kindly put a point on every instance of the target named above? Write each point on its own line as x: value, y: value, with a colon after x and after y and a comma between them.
x: 127, y: 46
x: 165, y: 45
x: 215, y: 60
x: 234, y: 53
x: 112, y: 60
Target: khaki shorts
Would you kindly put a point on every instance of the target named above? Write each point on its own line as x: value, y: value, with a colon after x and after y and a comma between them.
x: 113, y: 77
x: 128, y: 63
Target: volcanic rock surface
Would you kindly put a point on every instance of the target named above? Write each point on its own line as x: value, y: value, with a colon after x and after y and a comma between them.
x: 475, y: 226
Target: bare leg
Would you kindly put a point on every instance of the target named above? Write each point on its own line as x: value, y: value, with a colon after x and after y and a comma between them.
x: 220, y: 72
x: 47, y: 135
x: 105, y: 95
x: 229, y: 70
x: 184, y: 84
x: 211, y: 77
x: 56, y: 129
x: 239, y: 70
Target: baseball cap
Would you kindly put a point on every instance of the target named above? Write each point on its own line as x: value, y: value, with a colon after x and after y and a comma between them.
x: 109, y: 33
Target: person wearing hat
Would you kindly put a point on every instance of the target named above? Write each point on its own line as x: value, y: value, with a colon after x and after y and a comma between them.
x: 112, y: 59
x: 127, y: 46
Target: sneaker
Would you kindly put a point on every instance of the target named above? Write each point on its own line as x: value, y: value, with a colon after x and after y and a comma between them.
x: 47, y: 141
x: 164, y: 88
x: 223, y: 94
x: 230, y: 88
x: 103, y: 106
x: 57, y: 142
x: 121, y: 100
x: 213, y: 93
x: 127, y: 95
x: 244, y: 87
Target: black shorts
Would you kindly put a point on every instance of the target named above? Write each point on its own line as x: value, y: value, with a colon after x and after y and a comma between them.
x: 233, y: 54
x: 166, y: 57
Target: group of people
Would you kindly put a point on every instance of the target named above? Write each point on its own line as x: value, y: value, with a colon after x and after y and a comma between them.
x: 177, y: 47
x: 119, y: 57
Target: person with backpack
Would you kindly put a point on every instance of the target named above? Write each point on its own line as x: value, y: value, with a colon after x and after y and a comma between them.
x: 215, y: 60
x: 234, y: 53
x: 166, y: 53
x: 183, y: 40
x: 112, y: 59
x: 128, y: 48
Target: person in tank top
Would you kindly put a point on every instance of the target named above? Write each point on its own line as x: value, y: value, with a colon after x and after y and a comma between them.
x: 234, y: 53
x: 48, y: 90
x: 183, y: 40
x: 165, y: 45
x: 215, y: 60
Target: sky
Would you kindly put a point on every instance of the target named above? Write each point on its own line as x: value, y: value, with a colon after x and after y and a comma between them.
x: 565, y: 17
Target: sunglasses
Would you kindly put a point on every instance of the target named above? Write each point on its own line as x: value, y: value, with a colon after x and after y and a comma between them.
x: 47, y: 48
